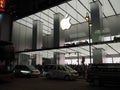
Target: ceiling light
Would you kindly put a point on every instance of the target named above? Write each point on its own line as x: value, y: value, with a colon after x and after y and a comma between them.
x: 90, y: 24
x: 87, y: 18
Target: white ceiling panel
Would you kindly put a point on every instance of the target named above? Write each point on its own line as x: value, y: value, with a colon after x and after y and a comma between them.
x: 33, y: 17
x: 45, y: 17
x: 61, y: 10
x: 22, y: 22
x: 75, y: 8
x: 49, y: 13
x: 71, y: 12
x: 82, y: 10
x: 45, y: 31
x: 28, y: 19
x: 25, y: 23
x: 107, y: 9
x: 29, y: 25
x: 107, y: 49
x: 81, y: 50
x: 116, y: 46
x: 86, y: 3
x: 116, y: 5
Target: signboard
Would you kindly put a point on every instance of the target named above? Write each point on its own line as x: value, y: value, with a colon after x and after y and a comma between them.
x: 65, y: 22
x: 2, y: 5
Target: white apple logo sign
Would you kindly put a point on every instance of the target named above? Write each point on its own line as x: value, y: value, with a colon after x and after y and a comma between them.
x: 65, y: 22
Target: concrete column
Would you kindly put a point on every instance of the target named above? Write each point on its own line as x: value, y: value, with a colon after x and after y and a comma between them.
x: 98, y: 55
x: 5, y: 27
x: 59, y: 38
x: 48, y: 41
x: 59, y: 58
x: 39, y: 59
x: 96, y: 30
x: 97, y: 21
x: 37, y: 34
x: 78, y: 58
x: 33, y: 59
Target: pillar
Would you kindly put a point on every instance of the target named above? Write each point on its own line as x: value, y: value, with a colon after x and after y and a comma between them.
x: 78, y: 58
x: 5, y: 27
x: 97, y: 21
x: 96, y: 30
x: 48, y: 41
x: 37, y: 34
x: 59, y: 58
x: 39, y: 59
x: 98, y: 55
x: 59, y: 37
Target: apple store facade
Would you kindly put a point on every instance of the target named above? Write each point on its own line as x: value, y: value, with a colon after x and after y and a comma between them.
x: 69, y: 33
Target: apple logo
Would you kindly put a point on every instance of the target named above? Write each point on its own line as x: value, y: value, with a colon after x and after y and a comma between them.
x: 65, y: 22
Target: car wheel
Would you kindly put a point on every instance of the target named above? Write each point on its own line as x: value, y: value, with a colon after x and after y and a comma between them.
x: 96, y: 82
x: 67, y: 77
x: 48, y: 76
x: 28, y: 76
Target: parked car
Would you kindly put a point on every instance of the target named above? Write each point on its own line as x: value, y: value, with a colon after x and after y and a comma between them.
x: 100, y: 74
x: 60, y: 72
x: 40, y: 68
x: 26, y: 71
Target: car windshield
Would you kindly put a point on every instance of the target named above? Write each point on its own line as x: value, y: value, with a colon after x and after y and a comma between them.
x: 31, y: 67
x: 68, y: 68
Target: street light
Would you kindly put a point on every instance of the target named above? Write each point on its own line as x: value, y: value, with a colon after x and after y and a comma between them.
x: 87, y: 18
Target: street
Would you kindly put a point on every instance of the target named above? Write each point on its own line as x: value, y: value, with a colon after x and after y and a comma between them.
x: 44, y: 84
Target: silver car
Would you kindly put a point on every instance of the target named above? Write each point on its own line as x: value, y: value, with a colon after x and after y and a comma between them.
x: 61, y: 72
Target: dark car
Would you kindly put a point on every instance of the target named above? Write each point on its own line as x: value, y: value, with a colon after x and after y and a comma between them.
x: 5, y: 74
x: 40, y: 68
x: 26, y: 71
x: 100, y: 74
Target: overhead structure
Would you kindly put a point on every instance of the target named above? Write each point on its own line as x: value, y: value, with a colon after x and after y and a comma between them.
x: 76, y: 9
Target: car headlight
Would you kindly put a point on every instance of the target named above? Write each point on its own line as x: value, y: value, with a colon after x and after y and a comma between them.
x: 26, y: 72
